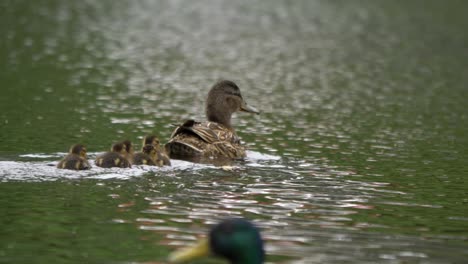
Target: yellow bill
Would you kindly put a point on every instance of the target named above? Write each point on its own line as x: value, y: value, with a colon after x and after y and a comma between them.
x: 201, y: 249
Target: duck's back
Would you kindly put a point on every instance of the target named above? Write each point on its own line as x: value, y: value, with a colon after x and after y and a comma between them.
x: 112, y: 159
x: 162, y: 159
x: 141, y: 158
x: 73, y: 162
x: 204, y: 140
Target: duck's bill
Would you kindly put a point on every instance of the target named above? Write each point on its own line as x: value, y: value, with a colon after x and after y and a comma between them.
x: 201, y: 249
x: 249, y: 109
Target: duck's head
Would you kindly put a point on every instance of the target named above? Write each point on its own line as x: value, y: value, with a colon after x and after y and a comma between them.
x: 128, y: 146
x: 119, y: 148
x: 236, y: 240
x: 152, y: 140
x: 78, y: 149
x: 223, y: 100
x: 149, y: 149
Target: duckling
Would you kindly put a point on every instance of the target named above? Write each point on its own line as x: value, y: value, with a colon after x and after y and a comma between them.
x: 147, y: 156
x: 76, y: 159
x: 129, y: 147
x: 236, y: 240
x: 215, y: 138
x: 161, y: 157
x: 114, y: 158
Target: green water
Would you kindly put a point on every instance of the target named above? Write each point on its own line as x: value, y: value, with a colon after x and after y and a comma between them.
x: 360, y: 154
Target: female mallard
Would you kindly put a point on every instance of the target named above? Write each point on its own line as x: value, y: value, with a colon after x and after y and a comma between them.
x: 76, y: 159
x: 216, y: 137
x: 115, y: 158
x: 147, y: 156
x: 161, y: 158
x: 236, y: 240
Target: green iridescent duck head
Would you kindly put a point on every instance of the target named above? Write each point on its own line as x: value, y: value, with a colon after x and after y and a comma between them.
x: 236, y: 240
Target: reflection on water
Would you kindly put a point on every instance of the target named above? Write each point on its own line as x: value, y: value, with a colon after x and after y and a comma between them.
x: 307, y: 212
x: 359, y: 155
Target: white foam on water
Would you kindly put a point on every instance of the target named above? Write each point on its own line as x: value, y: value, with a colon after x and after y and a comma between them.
x: 46, y: 170
x: 43, y: 156
x: 260, y: 160
x: 257, y: 156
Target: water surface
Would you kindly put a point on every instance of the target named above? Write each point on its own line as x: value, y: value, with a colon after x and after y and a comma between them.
x: 359, y: 155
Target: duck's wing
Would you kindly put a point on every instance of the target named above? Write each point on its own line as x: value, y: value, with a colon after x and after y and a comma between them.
x: 207, y: 139
x: 192, y: 128
x: 209, y: 132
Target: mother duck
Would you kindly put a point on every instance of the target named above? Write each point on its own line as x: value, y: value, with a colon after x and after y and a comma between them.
x: 215, y: 138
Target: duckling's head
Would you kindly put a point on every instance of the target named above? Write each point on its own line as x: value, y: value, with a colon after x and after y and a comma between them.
x: 223, y: 100
x: 128, y: 146
x: 152, y: 140
x: 149, y: 149
x: 237, y: 240
x: 119, y: 148
x: 78, y: 149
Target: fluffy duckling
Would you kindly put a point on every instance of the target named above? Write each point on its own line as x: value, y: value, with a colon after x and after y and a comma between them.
x: 161, y: 157
x: 147, y: 156
x: 129, y: 147
x: 216, y: 137
x: 76, y: 159
x: 236, y: 240
x: 115, y: 158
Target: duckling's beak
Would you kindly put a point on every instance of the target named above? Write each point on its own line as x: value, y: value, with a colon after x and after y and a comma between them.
x: 201, y: 249
x: 249, y: 109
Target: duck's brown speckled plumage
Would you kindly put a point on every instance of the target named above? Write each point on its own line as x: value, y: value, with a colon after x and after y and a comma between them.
x: 215, y: 138
x: 206, y: 139
x: 76, y: 159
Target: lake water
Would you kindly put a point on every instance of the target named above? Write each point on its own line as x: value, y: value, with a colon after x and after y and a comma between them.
x: 360, y: 154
